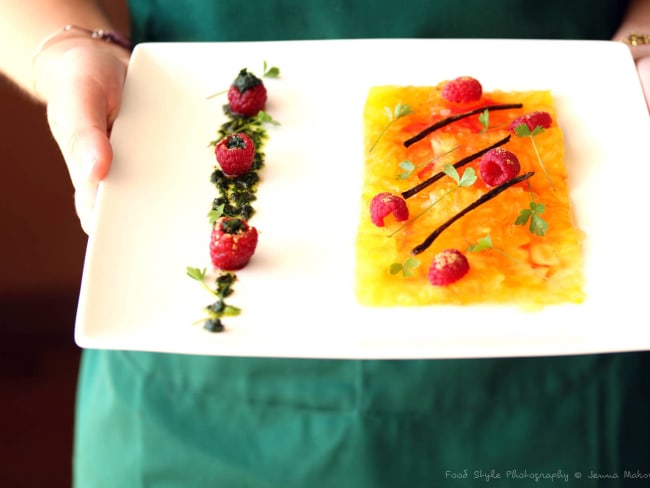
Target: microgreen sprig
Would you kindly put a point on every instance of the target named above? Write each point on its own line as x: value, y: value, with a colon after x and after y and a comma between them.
x: 262, y: 117
x: 522, y: 130
x: 467, y: 179
x: 484, y: 119
x: 406, y: 268
x: 267, y: 72
x: 270, y: 71
x: 265, y: 118
x: 241, y: 124
x: 485, y: 244
x: 199, y: 275
x: 216, y: 213
x: 223, y: 289
x: 400, y: 110
x: 409, y: 167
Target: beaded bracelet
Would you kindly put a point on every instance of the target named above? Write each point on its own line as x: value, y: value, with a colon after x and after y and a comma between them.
x: 112, y: 37
x: 635, y: 39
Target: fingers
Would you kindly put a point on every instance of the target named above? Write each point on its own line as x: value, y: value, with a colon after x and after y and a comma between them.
x: 78, y: 120
x: 82, y: 105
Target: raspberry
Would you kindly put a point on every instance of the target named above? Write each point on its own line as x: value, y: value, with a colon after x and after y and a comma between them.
x: 448, y: 266
x: 462, y: 90
x: 532, y: 120
x: 232, y: 243
x: 247, y: 94
x: 235, y: 154
x: 498, y: 165
x: 383, y: 204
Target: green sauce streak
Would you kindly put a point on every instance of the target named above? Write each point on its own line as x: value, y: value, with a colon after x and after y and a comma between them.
x: 219, y: 308
x: 236, y: 195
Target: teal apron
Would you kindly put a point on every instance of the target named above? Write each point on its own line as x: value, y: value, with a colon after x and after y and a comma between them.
x: 167, y: 420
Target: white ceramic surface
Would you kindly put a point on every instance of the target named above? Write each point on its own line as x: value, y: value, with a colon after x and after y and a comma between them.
x: 297, y: 293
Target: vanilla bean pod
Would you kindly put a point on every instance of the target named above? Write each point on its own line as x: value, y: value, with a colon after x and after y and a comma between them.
x: 481, y: 200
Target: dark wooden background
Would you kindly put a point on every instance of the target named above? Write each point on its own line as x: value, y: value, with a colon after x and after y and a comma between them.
x: 41, y: 256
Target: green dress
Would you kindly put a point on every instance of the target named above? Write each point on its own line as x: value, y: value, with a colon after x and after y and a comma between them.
x: 165, y: 420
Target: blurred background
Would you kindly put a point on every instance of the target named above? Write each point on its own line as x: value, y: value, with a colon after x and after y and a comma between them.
x: 42, y: 249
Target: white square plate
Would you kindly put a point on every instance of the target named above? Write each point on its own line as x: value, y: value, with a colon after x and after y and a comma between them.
x: 297, y: 294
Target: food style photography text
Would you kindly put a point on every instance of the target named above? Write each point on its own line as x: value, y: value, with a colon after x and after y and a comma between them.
x: 526, y: 475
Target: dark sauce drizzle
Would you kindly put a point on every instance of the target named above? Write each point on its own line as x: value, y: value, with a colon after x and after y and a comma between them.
x: 480, y: 201
x: 455, y: 117
x: 429, y: 181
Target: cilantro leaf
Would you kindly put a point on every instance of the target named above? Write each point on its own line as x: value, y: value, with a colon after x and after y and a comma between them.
x: 522, y: 130
x: 538, y: 226
x: 195, y: 273
x: 523, y: 217
x: 537, y: 208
